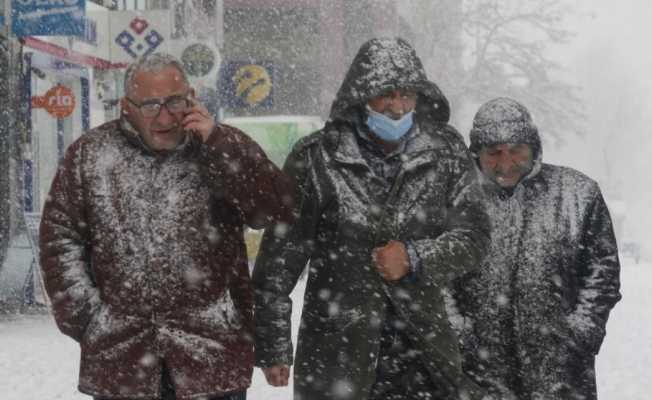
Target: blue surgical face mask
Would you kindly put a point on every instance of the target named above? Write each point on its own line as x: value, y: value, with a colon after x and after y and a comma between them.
x: 390, y: 130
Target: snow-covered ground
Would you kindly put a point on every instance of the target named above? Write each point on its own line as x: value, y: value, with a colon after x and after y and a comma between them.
x: 624, y: 365
x: 39, y: 363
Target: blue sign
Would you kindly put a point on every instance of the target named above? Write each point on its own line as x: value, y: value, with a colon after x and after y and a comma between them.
x: 2, y: 19
x: 89, y: 34
x: 48, y: 17
x: 244, y: 84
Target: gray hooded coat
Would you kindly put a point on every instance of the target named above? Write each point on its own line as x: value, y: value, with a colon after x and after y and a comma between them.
x: 533, y: 317
x: 340, y: 218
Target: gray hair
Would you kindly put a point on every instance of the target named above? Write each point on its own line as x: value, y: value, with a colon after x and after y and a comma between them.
x: 153, y: 63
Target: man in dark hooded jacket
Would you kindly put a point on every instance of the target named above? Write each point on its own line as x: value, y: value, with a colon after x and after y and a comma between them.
x: 386, y: 219
x: 533, y: 317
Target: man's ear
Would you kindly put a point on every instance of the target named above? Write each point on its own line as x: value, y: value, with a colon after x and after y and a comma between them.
x: 124, y: 105
x: 126, y: 108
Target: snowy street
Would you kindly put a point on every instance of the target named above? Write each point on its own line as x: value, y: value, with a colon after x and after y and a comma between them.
x: 39, y: 363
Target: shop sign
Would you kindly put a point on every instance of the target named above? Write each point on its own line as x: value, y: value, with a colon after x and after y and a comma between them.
x: 58, y: 101
x: 137, y: 35
x: 247, y: 84
x: 48, y: 17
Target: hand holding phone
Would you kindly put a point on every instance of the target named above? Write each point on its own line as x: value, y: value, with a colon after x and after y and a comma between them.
x: 197, y: 120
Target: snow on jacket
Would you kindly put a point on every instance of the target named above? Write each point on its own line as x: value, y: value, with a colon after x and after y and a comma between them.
x: 533, y: 317
x: 342, y: 213
x: 144, y: 259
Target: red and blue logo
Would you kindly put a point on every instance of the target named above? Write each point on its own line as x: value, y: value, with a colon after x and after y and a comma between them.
x: 139, y: 41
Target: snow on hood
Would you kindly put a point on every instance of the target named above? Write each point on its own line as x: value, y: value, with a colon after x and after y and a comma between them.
x: 384, y: 64
x: 504, y: 120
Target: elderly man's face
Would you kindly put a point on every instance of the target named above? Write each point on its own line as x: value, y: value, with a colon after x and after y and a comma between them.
x: 394, y: 103
x: 506, y: 163
x: 160, y: 130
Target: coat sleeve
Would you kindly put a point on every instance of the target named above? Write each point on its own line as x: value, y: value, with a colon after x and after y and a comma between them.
x: 599, y: 282
x: 241, y: 292
x: 465, y: 238
x: 284, y: 253
x: 238, y: 171
x: 64, y: 251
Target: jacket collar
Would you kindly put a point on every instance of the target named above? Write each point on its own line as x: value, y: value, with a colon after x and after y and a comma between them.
x: 416, y: 152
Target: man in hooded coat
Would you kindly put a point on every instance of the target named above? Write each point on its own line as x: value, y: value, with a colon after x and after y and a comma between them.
x: 533, y: 317
x: 386, y: 218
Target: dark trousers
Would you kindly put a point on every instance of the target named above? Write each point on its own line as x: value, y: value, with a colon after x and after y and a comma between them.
x: 401, y: 373
x: 167, y: 391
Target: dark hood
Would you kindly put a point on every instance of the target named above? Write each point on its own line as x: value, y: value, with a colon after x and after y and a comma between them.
x: 503, y: 120
x: 385, y: 64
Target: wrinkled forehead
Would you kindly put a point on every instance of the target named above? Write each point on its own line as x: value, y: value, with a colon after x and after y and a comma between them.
x: 167, y: 81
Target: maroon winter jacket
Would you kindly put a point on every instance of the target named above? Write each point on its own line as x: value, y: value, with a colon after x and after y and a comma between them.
x: 144, y: 259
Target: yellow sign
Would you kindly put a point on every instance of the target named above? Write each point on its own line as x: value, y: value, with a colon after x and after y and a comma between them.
x: 252, y: 84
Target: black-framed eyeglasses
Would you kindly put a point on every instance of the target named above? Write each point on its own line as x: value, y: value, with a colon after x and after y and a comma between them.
x: 152, y: 108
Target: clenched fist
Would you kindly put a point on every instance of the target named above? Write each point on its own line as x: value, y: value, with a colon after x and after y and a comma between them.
x: 277, y: 375
x: 391, y: 260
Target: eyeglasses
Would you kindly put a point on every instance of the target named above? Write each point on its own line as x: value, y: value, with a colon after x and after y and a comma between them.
x: 152, y: 108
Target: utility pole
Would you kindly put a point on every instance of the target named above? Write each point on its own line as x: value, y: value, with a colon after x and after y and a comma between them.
x: 11, y: 133
x: 5, y: 197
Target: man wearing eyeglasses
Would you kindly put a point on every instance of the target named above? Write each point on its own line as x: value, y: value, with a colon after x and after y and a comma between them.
x: 386, y: 218
x: 142, y: 244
